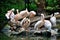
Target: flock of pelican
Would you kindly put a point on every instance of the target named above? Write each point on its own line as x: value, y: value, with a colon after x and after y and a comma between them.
x: 22, y: 20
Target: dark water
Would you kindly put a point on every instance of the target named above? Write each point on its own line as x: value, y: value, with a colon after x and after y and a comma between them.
x: 36, y: 38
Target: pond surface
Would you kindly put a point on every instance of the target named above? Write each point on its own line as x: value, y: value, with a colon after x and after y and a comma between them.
x: 39, y: 37
x: 36, y: 37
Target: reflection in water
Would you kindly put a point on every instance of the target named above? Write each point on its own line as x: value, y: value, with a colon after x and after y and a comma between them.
x: 35, y: 38
x: 54, y: 38
x: 32, y: 38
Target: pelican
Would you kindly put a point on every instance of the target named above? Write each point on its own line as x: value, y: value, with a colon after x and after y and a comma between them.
x: 17, y: 11
x: 53, y: 18
x: 21, y: 14
x: 24, y: 13
x: 25, y: 23
x: 39, y: 23
x: 47, y: 24
x: 56, y: 13
x: 12, y: 22
x: 32, y: 14
x: 10, y: 14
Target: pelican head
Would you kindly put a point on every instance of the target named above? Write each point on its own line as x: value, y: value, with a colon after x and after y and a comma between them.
x: 17, y: 10
x: 51, y: 15
x: 26, y: 9
x: 56, y: 13
x: 33, y: 12
x: 42, y: 15
x: 12, y: 9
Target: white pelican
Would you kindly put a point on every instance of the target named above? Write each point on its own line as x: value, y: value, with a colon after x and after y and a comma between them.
x: 39, y: 23
x: 21, y: 14
x: 24, y: 14
x: 25, y: 23
x: 32, y: 14
x: 47, y: 24
x: 53, y: 18
x: 10, y: 14
x: 56, y: 13
x: 17, y: 11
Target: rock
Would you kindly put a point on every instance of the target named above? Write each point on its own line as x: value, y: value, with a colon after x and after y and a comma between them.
x: 53, y: 32
x: 47, y: 34
x: 58, y: 30
x: 43, y: 33
x: 38, y: 34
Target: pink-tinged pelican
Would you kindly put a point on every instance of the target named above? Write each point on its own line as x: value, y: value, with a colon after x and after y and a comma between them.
x: 47, y: 24
x: 10, y: 14
x: 32, y: 14
x: 25, y: 23
x: 21, y: 14
x: 39, y: 23
x: 24, y: 13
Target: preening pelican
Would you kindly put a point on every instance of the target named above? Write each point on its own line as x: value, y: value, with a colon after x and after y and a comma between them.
x: 25, y: 23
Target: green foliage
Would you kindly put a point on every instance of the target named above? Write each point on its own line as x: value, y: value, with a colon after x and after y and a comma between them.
x: 51, y: 4
x: 33, y: 6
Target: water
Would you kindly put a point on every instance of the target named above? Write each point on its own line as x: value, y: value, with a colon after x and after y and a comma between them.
x: 35, y: 37
x: 55, y: 37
